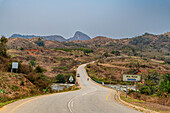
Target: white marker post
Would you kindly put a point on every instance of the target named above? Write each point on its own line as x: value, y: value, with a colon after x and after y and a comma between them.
x: 14, y: 66
x: 132, y: 78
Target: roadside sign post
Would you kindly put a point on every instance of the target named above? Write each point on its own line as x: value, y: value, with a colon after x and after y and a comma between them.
x: 136, y: 89
x: 132, y: 78
x: 14, y: 66
x: 126, y: 89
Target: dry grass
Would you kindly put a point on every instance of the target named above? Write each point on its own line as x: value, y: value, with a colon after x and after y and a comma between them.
x: 147, y: 105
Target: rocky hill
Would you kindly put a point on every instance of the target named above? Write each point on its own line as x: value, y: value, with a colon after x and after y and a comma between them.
x: 79, y: 36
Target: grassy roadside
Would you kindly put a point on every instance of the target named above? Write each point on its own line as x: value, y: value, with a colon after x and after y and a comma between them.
x: 146, y: 105
x: 11, y: 101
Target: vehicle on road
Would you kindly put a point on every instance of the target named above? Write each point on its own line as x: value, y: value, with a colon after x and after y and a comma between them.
x: 78, y: 75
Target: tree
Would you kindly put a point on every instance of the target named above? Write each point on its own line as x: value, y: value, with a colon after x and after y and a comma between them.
x: 3, y: 49
x: 151, y: 84
x: 60, y: 78
x: 32, y: 63
x: 117, y: 53
x: 86, y: 51
x: 106, y: 54
x: 164, y: 87
x: 40, y: 42
x: 39, y: 69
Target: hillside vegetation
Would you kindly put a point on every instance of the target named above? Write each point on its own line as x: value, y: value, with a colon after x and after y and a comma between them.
x: 44, y: 62
x: 147, y: 45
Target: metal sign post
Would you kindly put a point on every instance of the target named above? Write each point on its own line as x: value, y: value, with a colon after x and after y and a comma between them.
x: 136, y: 89
x: 132, y: 78
x: 126, y: 89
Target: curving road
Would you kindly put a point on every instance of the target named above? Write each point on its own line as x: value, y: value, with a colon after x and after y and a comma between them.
x: 92, y: 98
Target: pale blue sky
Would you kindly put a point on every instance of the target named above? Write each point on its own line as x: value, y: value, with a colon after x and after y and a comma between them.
x: 111, y: 18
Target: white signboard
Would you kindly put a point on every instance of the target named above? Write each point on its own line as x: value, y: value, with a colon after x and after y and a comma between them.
x: 71, y: 79
x: 14, y: 65
x: 135, y: 78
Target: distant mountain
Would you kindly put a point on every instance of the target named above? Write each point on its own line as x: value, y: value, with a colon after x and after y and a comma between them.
x: 23, y: 36
x: 51, y: 37
x: 54, y: 37
x: 79, y: 36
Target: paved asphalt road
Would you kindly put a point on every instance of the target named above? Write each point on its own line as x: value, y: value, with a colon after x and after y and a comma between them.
x: 92, y: 98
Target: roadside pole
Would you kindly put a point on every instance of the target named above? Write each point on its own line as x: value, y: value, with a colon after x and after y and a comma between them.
x: 11, y: 71
x: 126, y: 89
x: 136, y: 89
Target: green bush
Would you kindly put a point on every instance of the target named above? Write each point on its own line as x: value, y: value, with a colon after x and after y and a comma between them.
x: 22, y: 83
x: 164, y: 87
x: 131, y: 91
x: 88, y: 66
x: 117, y: 53
x: 2, y: 91
x: 39, y: 80
x: 64, y: 49
x: 39, y: 69
x: 145, y: 90
x: 21, y: 48
x: 60, y: 78
x: 106, y: 54
x: 15, y: 88
x: 3, y: 49
x: 63, y: 67
x: 40, y: 42
x: 32, y: 63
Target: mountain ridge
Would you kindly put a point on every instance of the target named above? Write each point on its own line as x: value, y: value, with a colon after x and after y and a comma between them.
x: 77, y: 36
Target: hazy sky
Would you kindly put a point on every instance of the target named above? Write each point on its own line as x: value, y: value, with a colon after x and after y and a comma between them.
x: 111, y: 18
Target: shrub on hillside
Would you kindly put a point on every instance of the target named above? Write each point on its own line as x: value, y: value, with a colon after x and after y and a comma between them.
x: 164, y: 87
x: 32, y: 63
x: 88, y: 66
x: 25, y: 69
x: 3, y: 64
x: 3, y: 49
x: 40, y: 69
x: 40, y: 42
x: 60, y: 78
x: 117, y: 53
x: 106, y: 54
x: 39, y: 80
x: 146, y: 90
